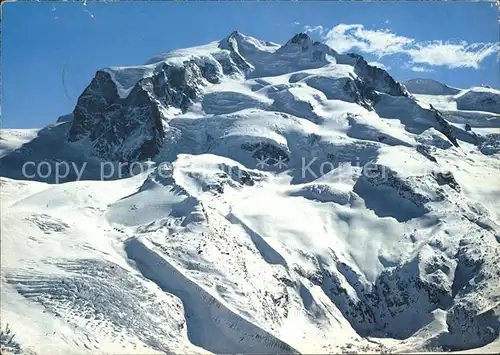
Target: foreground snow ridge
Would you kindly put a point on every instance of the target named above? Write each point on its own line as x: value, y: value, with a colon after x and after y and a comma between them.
x: 283, y: 199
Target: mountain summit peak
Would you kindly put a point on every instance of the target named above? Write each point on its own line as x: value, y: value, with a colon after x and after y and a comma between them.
x: 235, y: 33
x: 300, y: 38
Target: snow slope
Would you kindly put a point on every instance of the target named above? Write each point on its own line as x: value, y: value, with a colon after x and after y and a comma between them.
x: 13, y: 139
x: 429, y: 87
x: 289, y: 200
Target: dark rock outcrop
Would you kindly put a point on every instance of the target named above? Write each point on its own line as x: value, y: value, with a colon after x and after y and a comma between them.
x: 444, y: 127
x: 233, y: 61
x: 376, y: 78
x: 65, y: 118
x: 272, y: 153
x: 425, y: 150
x: 302, y: 43
x: 134, y: 127
x: 488, y: 144
x: 361, y: 93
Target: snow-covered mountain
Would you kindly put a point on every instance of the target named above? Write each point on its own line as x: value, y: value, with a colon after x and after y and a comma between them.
x: 429, y: 87
x: 250, y: 197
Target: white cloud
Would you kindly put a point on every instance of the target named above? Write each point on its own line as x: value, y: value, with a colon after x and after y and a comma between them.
x: 380, y: 65
x: 420, y: 69
x: 387, y: 21
x: 383, y: 42
x: 319, y: 30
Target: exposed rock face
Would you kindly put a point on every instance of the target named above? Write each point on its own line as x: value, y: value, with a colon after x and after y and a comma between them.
x: 377, y: 78
x: 133, y: 128
x: 468, y: 325
x: 412, y: 291
x: 380, y: 175
x: 402, y: 297
x: 358, y: 231
x: 301, y: 39
x: 399, y: 302
x: 370, y: 78
x: 429, y: 87
x: 97, y: 97
x: 179, y: 87
x: 236, y: 62
x: 444, y: 127
x: 262, y: 150
x: 65, y: 118
x: 426, y: 152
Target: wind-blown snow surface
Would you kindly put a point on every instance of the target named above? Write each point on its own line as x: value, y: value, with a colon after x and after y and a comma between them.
x: 373, y: 226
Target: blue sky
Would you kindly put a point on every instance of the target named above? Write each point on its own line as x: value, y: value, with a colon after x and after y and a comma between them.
x: 43, y: 40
